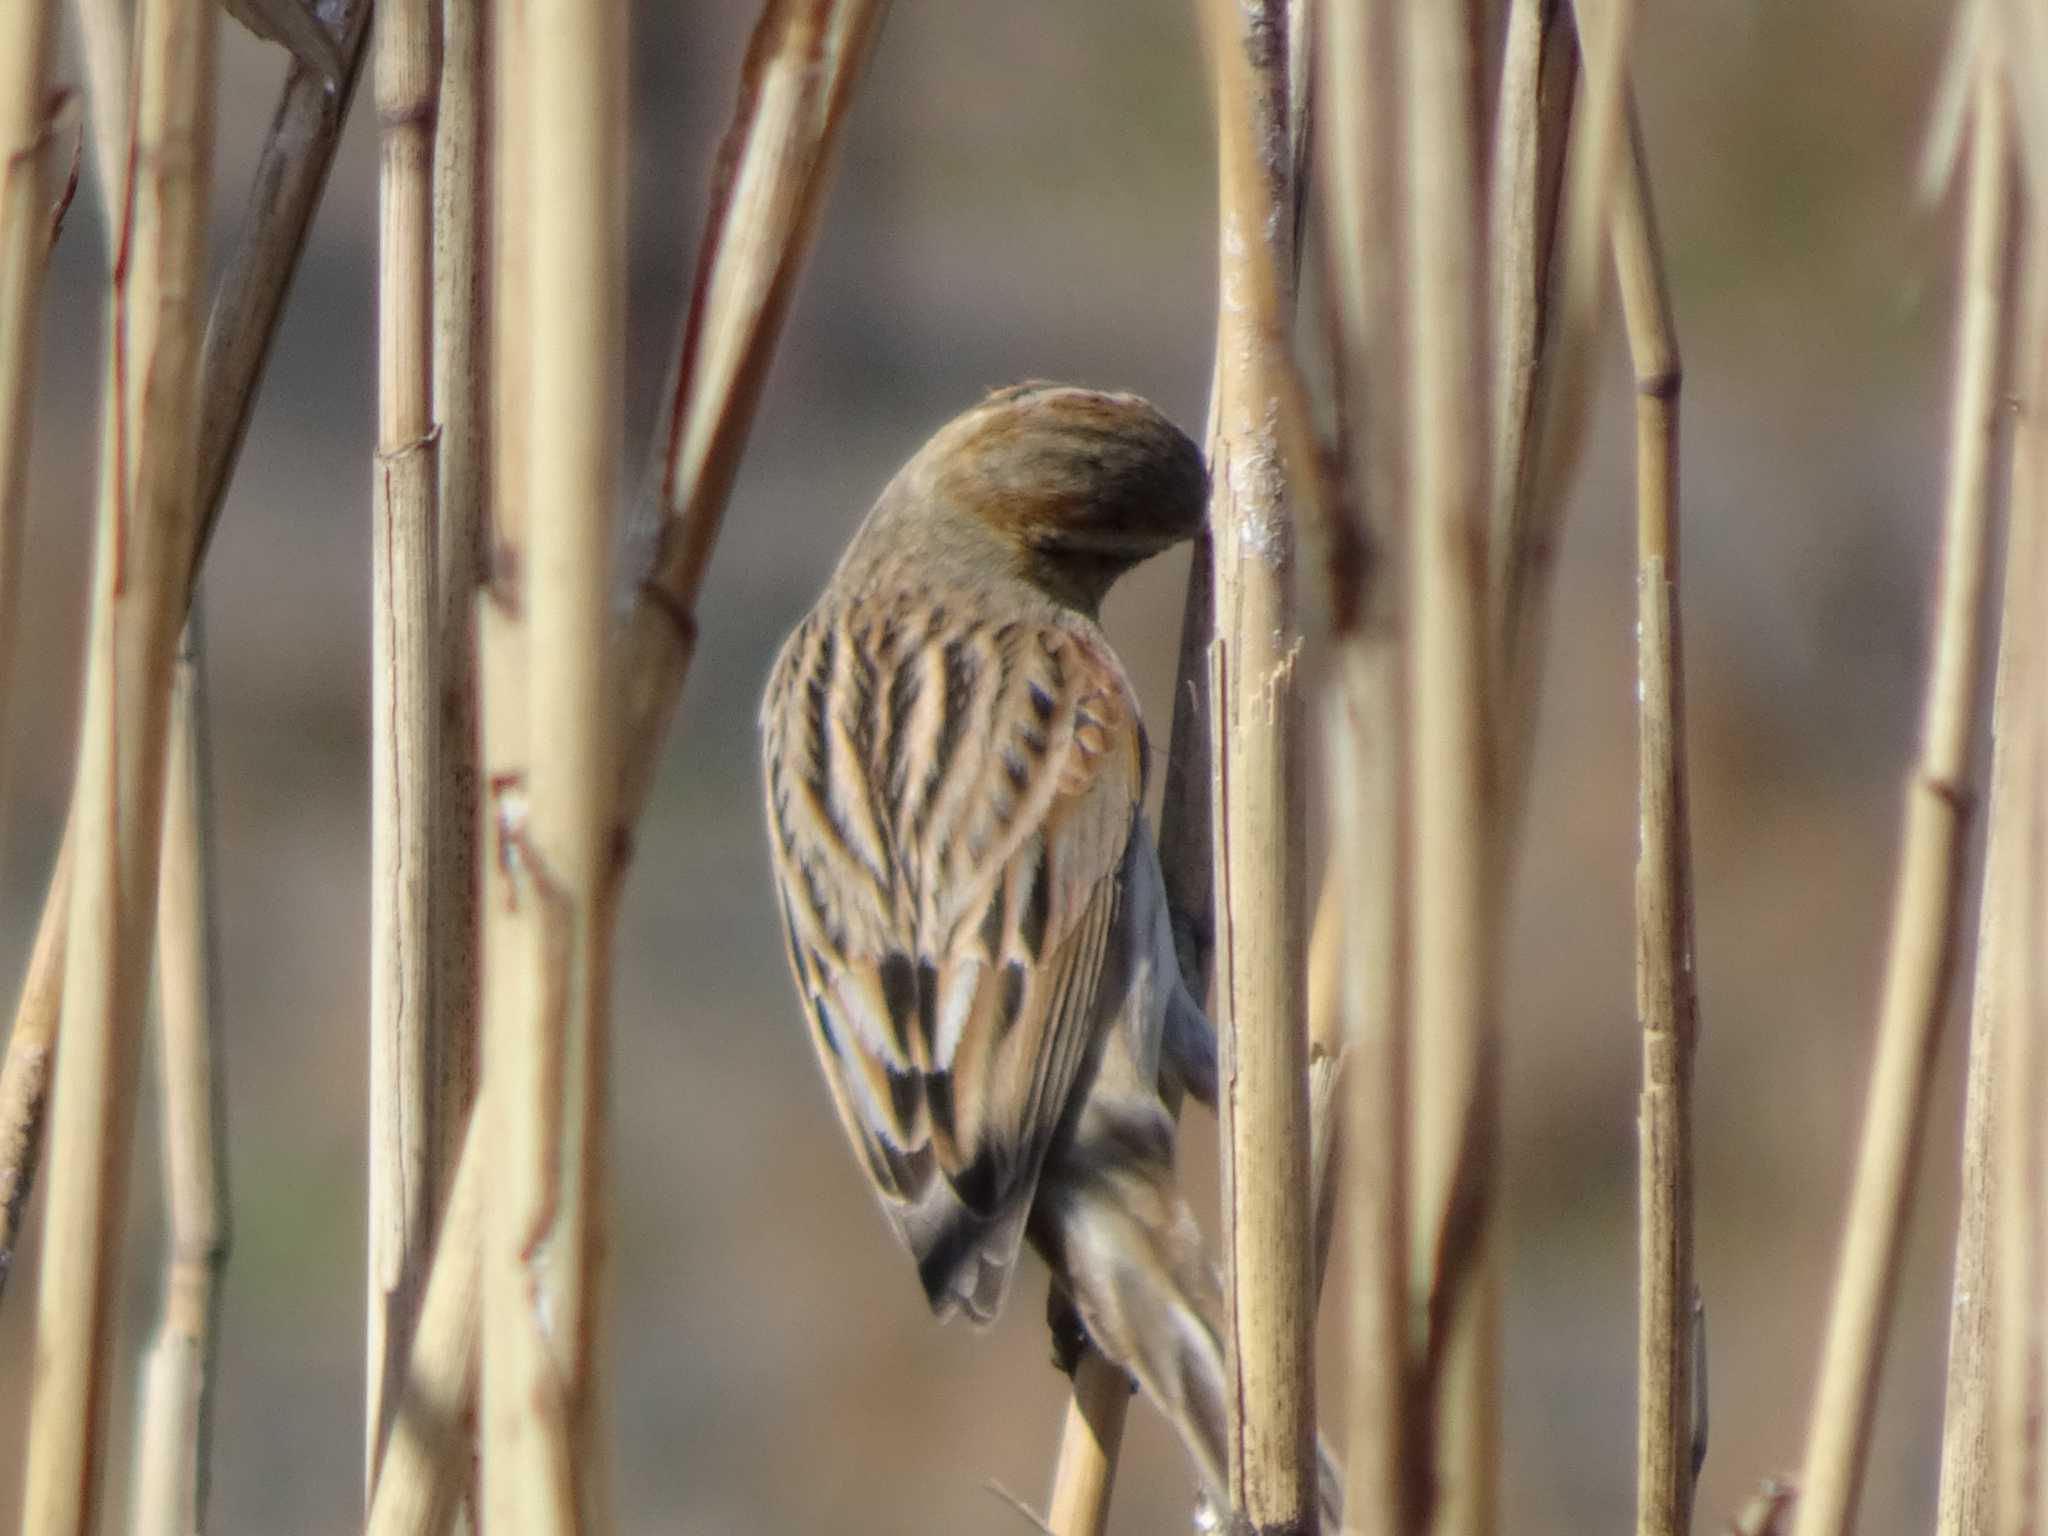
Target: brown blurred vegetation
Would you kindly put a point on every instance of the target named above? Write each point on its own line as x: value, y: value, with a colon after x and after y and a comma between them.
x: 1026, y: 191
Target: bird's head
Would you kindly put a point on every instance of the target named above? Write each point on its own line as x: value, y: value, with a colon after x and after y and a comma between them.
x: 1078, y: 485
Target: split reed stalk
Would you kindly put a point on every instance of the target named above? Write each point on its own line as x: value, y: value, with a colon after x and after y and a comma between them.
x: 1453, y: 915
x: 561, y: 236
x: 1667, y: 1002
x: 1262, y: 1097
x: 1929, y: 894
x: 290, y: 177
x: 174, y: 1446
x: 2020, y: 1145
x: 795, y: 88
x: 462, y: 417
x: 1366, y: 741
x: 403, y: 712
x: 147, y: 516
x: 25, y: 238
x: 1529, y: 516
x: 795, y: 84
x: 1090, y: 1440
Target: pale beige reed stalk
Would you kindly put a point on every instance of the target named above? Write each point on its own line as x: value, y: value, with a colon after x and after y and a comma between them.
x: 1929, y: 895
x: 403, y: 1094
x: 174, y: 1444
x: 146, y: 522
x: 25, y: 238
x: 1453, y: 907
x: 1366, y: 745
x: 1667, y: 1002
x: 1261, y: 901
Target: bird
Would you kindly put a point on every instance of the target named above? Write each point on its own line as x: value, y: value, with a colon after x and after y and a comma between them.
x: 954, y: 765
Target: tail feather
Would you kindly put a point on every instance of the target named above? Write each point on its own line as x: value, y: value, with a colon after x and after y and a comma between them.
x: 1129, y: 1253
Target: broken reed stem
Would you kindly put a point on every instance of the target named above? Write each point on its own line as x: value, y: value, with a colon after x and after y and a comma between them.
x: 1262, y: 1100
x: 147, y: 514
x: 461, y: 417
x: 427, y: 1456
x: 403, y: 780
x: 25, y: 238
x: 1365, y: 743
x: 1454, y: 911
x: 561, y: 238
x: 289, y: 179
x: 1667, y: 1003
x: 795, y: 84
x: 1929, y: 894
x: 173, y: 1448
x: 1995, y: 1194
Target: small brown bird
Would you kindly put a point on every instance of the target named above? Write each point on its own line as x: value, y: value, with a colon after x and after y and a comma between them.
x: 955, y: 767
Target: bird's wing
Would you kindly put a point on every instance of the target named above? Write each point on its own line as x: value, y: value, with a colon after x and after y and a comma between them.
x: 950, y: 803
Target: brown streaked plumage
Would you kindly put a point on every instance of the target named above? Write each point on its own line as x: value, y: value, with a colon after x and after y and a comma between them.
x: 954, y: 768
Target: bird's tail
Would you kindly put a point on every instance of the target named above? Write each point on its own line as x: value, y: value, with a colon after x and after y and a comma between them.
x: 1111, y: 1220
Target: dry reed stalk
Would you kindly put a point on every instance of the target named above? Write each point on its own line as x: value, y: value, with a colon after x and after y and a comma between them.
x: 1968, y: 1500
x: 427, y: 1457
x: 290, y: 177
x: 1262, y: 1098
x: 562, y: 236
x: 403, y: 713
x: 462, y: 416
x: 1453, y: 916
x: 25, y: 237
x: 2020, y: 1170
x: 1365, y: 744
x: 1539, y: 74
x: 146, y: 521
x: 1929, y: 893
x: 1529, y: 519
x: 173, y: 1448
x: 1090, y: 1439
x: 801, y: 64
x: 1667, y: 1002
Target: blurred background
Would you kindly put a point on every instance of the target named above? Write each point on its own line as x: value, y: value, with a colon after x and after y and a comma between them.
x: 1027, y: 190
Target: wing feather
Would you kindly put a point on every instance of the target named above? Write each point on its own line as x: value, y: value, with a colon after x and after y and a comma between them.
x: 950, y: 804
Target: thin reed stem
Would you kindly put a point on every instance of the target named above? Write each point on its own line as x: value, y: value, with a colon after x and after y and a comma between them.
x: 174, y: 1446
x: 1366, y: 745
x: 1454, y: 911
x: 25, y: 237
x: 2019, y: 1146
x: 1929, y: 895
x: 1667, y: 1002
x: 403, y: 1093
x: 1995, y: 1197
x: 147, y: 515
x: 461, y: 416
